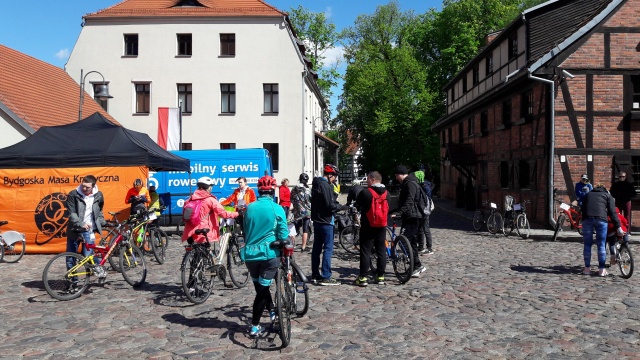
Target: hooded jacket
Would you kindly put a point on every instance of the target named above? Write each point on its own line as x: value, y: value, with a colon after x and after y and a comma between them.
x: 598, y: 203
x: 363, y: 201
x: 76, y: 207
x: 249, y: 197
x: 209, y: 210
x: 407, y: 200
x: 323, y: 201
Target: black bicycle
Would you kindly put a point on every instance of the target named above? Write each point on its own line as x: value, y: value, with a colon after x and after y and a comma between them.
x: 349, y: 227
x: 622, y: 255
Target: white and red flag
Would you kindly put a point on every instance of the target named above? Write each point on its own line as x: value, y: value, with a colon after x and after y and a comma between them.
x: 169, y: 128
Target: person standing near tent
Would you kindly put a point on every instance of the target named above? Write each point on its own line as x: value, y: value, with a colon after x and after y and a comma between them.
x: 242, y: 194
x: 137, y: 196
x: 84, y: 205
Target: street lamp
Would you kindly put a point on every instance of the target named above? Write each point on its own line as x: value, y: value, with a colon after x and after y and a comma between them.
x: 103, y: 90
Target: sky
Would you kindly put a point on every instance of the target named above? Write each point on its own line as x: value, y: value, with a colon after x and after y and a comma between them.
x: 48, y: 29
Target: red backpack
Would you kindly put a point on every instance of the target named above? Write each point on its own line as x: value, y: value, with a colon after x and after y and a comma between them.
x: 379, y: 210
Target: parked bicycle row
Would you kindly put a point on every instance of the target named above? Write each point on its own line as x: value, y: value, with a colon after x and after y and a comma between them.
x: 513, y: 217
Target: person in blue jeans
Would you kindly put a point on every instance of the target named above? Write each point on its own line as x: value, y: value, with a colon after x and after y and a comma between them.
x: 596, y: 206
x: 84, y: 205
x: 323, y: 206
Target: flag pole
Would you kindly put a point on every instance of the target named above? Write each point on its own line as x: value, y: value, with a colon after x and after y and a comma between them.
x: 180, y: 124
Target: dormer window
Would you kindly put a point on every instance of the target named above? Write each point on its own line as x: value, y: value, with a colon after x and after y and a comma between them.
x: 476, y: 74
x: 488, y: 65
x: 513, y: 46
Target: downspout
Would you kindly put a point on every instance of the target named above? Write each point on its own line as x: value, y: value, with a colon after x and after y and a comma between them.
x: 552, y: 145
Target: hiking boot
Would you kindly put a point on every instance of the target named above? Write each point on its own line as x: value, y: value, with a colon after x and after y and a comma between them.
x: 328, y: 282
x: 418, y: 271
x: 362, y: 281
x: 379, y: 280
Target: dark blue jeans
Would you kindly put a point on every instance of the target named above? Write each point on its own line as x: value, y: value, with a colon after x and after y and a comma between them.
x: 322, y: 243
x: 73, y: 240
x: 599, y: 226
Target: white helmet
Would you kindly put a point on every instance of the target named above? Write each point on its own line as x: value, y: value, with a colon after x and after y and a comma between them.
x: 205, y: 181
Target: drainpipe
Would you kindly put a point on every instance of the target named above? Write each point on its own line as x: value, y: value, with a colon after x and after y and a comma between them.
x: 304, y: 122
x: 552, y: 144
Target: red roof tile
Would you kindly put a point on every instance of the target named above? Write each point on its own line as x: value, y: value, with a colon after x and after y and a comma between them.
x: 209, y: 8
x: 41, y: 94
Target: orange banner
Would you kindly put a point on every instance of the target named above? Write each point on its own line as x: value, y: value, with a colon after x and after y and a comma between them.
x: 34, y: 200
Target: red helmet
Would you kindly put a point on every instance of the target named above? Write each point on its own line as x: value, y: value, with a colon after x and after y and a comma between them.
x: 267, y: 183
x: 330, y: 169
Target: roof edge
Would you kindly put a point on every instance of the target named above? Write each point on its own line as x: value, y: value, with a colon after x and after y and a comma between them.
x: 16, y: 118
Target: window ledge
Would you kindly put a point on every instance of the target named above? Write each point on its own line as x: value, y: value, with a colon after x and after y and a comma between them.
x: 270, y: 114
x: 521, y: 121
x: 183, y: 56
x: 227, y: 114
x: 226, y: 56
x: 141, y: 114
x: 129, y: 56
x: 501, y: 127
x: 186, y: 114
x: 635, y: 114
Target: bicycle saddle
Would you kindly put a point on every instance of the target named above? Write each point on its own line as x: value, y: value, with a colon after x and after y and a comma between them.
x: 279, y: 244
x: 202, y: 232
x: 3, y: 222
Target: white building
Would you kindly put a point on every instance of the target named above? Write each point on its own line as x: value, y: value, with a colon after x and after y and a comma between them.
x: 235, y: 66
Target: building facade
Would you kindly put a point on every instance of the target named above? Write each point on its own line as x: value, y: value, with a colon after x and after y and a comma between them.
x: 553, y: 96
x: 234, y: 67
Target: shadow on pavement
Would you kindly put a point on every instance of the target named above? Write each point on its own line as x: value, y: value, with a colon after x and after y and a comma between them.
x: 558, y: 269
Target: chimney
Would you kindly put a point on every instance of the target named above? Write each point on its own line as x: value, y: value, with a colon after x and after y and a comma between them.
x: 489, y: 38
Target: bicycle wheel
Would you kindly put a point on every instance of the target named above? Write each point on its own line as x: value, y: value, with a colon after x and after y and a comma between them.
x: 558, y: 228
x: 402, y: 257
x: 133, y: 266
x: 63, y: 284
x: 300, y: 294
x: 158, y: 239
x: 238, y: 272
x: 509, y: 225
x: 625, y: 261
x: 197, y: 282
x: 1, y: 252
x: 494, y: 223
x: 14, y: 252
x: 114, y: 257
x: 579, y: 224
x: 478, y: 220
x: 283, y: 306
x: 522, y: 226
x: 349, y: 239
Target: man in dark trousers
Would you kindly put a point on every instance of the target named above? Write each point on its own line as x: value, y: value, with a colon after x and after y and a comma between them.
x: 623, y: 191
x: 409, y: 212
x: 323, y: 206
x: 371, y: 236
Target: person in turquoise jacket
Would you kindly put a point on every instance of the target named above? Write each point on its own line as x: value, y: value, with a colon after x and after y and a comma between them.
x: 264, y: 223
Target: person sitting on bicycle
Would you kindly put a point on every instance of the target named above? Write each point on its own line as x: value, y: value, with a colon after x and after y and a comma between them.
x: 264, y: 222
x: 209, y: 212
x: 596, y: 206
x: 138, y: 197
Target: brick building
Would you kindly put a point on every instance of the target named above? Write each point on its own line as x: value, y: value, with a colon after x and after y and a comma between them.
x: 554, y: 95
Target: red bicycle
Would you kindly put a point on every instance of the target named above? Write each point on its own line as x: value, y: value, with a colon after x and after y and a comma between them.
x: 570, y: 213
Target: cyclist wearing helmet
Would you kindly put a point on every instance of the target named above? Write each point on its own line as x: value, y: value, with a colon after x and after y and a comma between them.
x: 323, y: 205
x: 301, y: 201
x: 209, y: 212
x: 264, y: 223
x: 243, y: 192
x: 137, y: 196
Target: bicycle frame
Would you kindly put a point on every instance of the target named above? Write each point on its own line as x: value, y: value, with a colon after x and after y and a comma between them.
x: 572, y: 215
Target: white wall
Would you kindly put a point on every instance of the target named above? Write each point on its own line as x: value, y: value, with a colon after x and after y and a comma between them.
x: 264, y: 54
x: 11, y: 132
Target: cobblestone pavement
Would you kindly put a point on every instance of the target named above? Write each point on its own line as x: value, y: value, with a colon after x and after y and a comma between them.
x: 482, y: 297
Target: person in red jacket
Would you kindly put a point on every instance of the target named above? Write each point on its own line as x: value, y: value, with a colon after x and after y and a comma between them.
x: 209, y: 212
x: 612, y: 234
x: 284, y: 198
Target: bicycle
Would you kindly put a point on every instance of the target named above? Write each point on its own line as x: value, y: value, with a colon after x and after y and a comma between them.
x: 149, y: 238
x: 67, y: 275
x: 570, y: 213
x: 494, y: 221
x: 515, y: 217
x: 284, y: 299
x: 622, y: 254
x: 350, y: 234
x: 12, y: 245
x: 240, y: 276
x: 399, y: 252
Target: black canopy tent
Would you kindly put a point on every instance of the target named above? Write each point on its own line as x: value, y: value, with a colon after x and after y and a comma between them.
x: 93, y: 141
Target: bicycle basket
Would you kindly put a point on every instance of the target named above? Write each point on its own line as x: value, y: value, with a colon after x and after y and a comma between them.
x: 508, y: 203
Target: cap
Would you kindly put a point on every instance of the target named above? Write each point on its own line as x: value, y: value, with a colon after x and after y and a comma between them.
x: 584, y: 176
x: 401, y: 170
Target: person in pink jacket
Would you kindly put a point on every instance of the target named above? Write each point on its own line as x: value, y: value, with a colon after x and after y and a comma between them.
x: 209, y: 212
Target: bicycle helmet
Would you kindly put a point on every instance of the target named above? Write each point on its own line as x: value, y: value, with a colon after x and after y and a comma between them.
x: 137, y: 182
x: 330, y: 169
x: 205, y: 181
x: 267, y: 183
x: 304, y: 178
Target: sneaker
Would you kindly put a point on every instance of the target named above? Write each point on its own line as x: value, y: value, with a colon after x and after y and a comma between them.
x: 418, y: 271
x: 422, y: 251
x: 362, y: 281
x: 255, y: 330
x: 328, y: 282
x: 428, y: 252
x: 272, y: 316
x: 603, y: 272
x: 379, y: 280
x: 586, y: 271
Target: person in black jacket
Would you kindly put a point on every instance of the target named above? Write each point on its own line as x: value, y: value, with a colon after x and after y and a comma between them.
x: 371, y: 236
x: 323, y: 205
x: 596, y: 206
x: 623, y: 191
x: 409, y: 212
x: 352, y: 195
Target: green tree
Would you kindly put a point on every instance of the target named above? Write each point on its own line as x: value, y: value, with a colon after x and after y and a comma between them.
x: 319, y: 35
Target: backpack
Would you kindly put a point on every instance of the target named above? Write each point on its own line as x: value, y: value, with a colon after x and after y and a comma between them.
x: 192, y: 212
x: 379, y: 210
x: 425, y: 204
